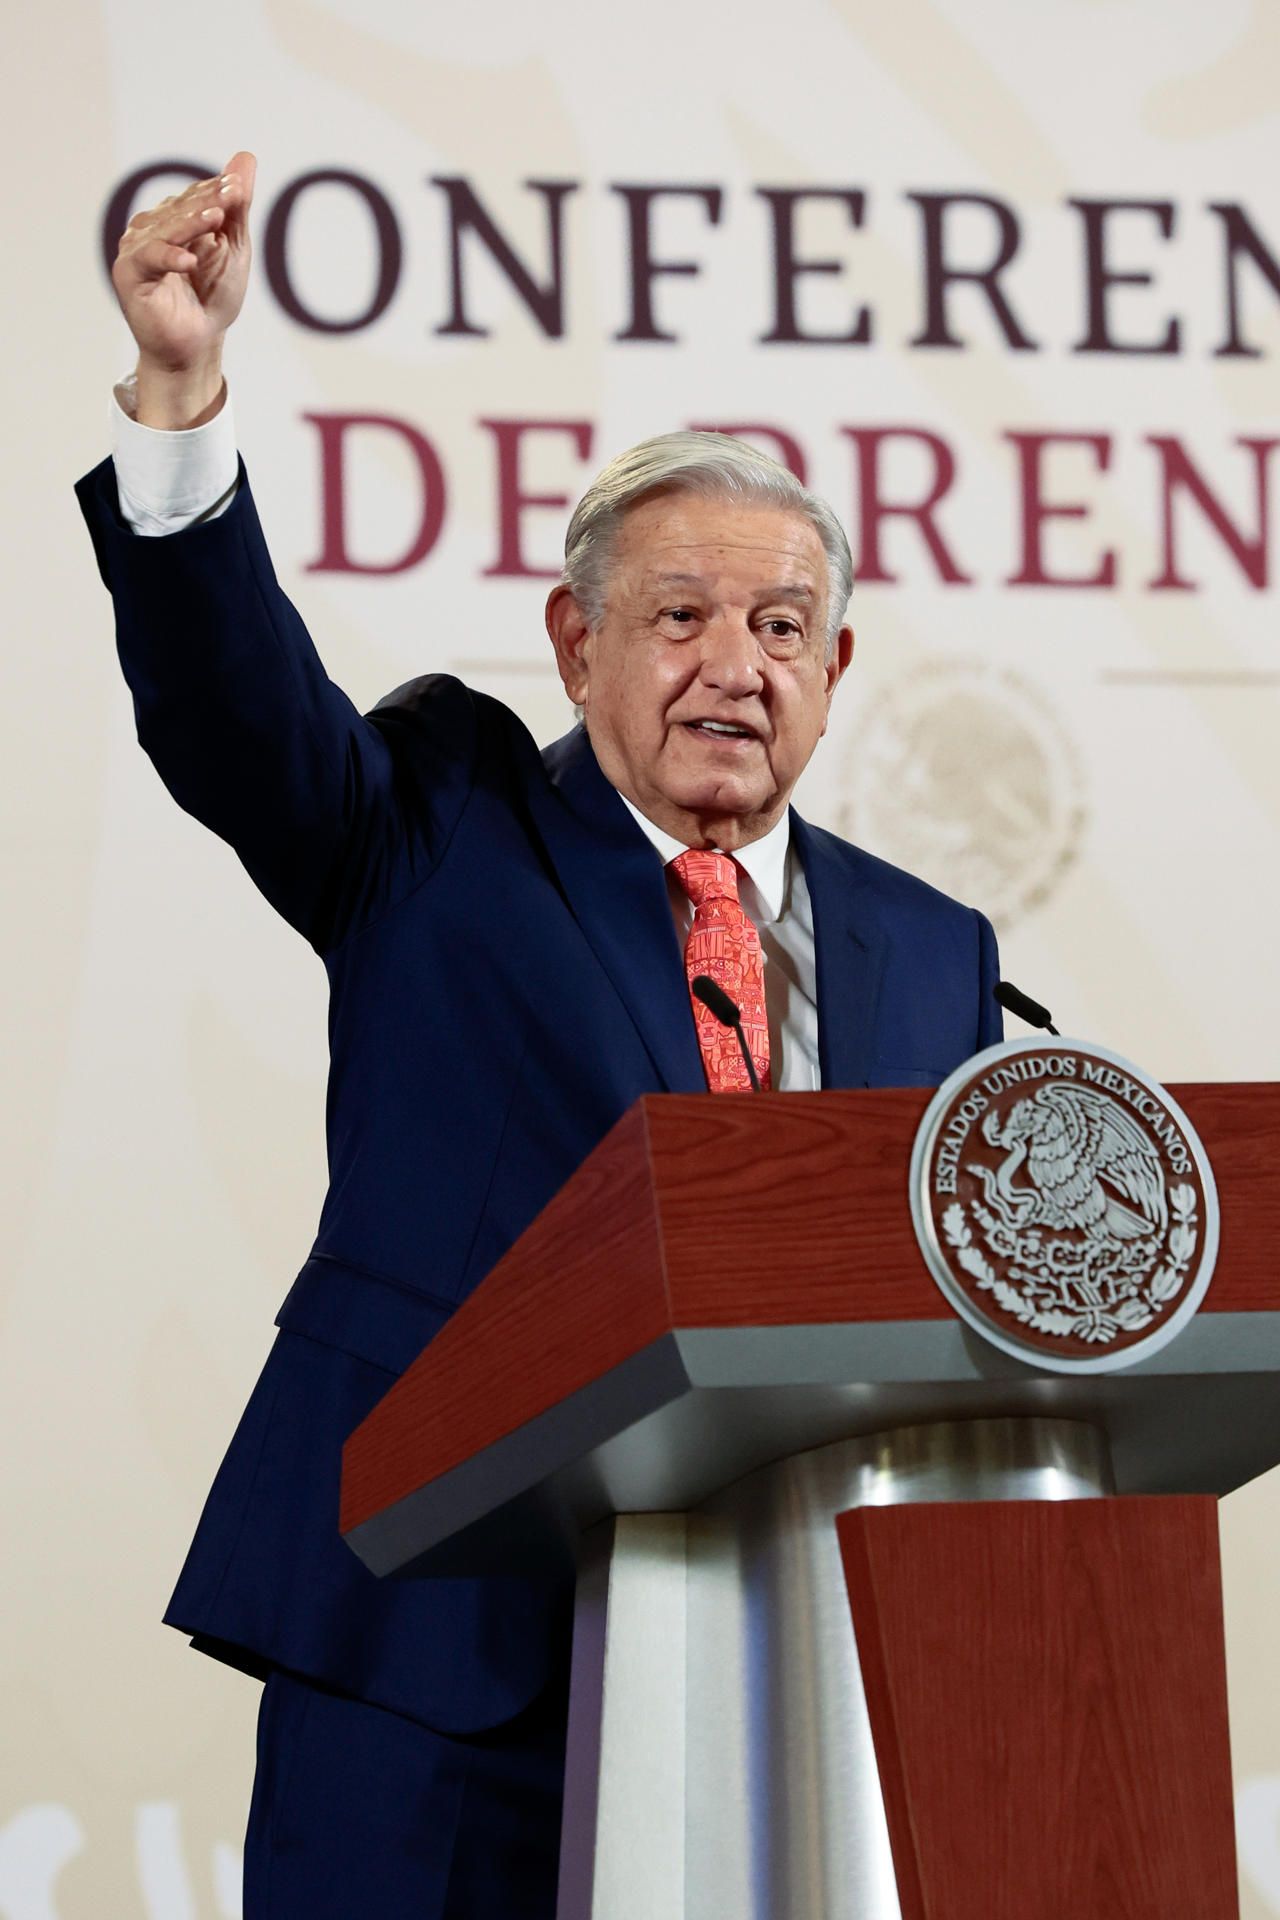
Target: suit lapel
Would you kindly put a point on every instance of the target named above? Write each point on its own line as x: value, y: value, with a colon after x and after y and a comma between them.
x: 851, y: 950
x: 613, y: 880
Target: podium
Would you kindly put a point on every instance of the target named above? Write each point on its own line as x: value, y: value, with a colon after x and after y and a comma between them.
x: 872, y: 1619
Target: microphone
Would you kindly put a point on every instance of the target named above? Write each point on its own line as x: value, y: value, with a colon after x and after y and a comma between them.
x: 717, y: 1001
x: 1014, y: 1001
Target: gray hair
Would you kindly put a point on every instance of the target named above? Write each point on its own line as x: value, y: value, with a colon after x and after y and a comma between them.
x: 715, y: 466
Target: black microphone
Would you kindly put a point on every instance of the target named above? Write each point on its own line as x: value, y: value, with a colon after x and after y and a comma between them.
x: 1014, y: 1001
x: 717, y: 1001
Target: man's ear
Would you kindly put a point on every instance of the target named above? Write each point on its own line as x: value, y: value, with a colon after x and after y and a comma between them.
x: 841, y: 655
x: 568, y: 628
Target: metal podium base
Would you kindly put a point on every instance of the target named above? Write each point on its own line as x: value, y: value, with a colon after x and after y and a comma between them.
x: 720, y: 1758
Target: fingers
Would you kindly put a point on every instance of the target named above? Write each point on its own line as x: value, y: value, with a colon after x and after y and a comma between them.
x: 155, y: 258
x: 221, y: 200
x: 176, y: 223
x: 168, y: 240
x: 235, y: 193
x: 177, y: 220
x: 201, y: 193
x: 241, y: 168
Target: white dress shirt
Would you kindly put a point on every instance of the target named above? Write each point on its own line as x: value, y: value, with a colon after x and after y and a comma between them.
x: 168, y: 481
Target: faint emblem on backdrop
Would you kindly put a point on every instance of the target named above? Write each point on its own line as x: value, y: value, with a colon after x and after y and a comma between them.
x: 961, y: 772
x: 1064, y: 1205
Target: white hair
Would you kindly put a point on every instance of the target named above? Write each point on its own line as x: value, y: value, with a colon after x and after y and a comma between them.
x: 717, y: 467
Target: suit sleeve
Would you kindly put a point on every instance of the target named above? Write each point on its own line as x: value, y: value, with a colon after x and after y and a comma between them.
x: 251, y: 736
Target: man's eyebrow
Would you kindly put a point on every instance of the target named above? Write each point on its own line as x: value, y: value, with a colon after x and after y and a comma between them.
x: 788, y: 590
x: 785, y: 590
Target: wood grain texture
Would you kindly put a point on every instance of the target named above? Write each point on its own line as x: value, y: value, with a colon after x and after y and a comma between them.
x: 791, y: 1210
x: 1047, y: 1688
x: 1239, y: 1125
x: 702, y: 1210
x: 794, y: 1210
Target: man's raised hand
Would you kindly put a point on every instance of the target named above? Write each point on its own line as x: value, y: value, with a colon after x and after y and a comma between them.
x: 180, y: 276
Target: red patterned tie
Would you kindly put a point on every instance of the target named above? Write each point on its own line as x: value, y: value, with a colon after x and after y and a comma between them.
x: 724, y: 944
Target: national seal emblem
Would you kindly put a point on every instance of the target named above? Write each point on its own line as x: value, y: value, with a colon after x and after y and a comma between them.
x: 1064, y: 1204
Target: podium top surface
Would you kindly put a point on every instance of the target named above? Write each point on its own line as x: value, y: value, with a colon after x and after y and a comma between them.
x: 731, y: 1278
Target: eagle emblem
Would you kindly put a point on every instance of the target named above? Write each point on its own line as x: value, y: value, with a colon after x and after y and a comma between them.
x: 1088, y: 1165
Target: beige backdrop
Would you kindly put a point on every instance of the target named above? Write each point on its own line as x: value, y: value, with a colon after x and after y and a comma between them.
x: 1096, y: 768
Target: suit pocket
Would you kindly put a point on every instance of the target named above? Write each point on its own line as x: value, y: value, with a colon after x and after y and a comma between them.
x: 367, y: 1315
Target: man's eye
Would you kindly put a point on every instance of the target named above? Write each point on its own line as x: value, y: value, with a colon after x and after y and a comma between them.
x: 680, y: 614
x: 782, y: 629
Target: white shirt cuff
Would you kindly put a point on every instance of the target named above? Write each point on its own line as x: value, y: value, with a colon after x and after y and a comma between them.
x: 168, y: 481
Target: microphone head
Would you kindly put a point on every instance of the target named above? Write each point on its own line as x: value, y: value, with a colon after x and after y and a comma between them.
x: 715, y: 999
x: 1013, y: 1000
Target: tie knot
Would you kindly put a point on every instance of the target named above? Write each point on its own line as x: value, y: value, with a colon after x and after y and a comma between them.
x: 706, y: 876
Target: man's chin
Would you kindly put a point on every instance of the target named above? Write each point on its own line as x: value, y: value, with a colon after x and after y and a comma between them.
x: 721, y: 810
x: 716, y: 796
x: 701, y: 776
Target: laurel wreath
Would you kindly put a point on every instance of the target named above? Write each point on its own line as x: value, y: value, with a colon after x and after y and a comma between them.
x: 1182, y: 1244
x: 1095, y: 1323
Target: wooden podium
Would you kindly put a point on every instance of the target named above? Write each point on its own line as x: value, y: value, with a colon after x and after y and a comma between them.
x: 719, y: 1337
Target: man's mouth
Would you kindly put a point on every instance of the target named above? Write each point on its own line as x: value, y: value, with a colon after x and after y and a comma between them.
x: 720, y: 730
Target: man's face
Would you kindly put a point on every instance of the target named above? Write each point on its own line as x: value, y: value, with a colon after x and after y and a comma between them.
x: 706, y: 685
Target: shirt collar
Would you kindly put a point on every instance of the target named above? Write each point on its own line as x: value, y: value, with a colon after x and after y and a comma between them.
x: 765, y: 860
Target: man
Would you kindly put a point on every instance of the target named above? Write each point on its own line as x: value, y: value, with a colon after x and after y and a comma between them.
x: 503, y: 932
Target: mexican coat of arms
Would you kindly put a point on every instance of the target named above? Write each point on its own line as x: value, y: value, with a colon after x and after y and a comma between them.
x: 1064, y: 1205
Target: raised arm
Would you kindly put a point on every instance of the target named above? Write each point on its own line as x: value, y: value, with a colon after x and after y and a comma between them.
x: 332, y: 814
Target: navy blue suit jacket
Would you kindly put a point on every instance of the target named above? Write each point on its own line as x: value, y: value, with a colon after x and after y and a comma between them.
x: 505, y: 980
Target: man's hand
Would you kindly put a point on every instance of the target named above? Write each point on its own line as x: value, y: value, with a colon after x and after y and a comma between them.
x: 180, y: 276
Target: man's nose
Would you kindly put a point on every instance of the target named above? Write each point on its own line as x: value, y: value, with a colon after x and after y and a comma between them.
x: 731, y: 657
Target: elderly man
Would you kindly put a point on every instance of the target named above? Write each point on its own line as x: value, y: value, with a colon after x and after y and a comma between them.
x: 509, y: 938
